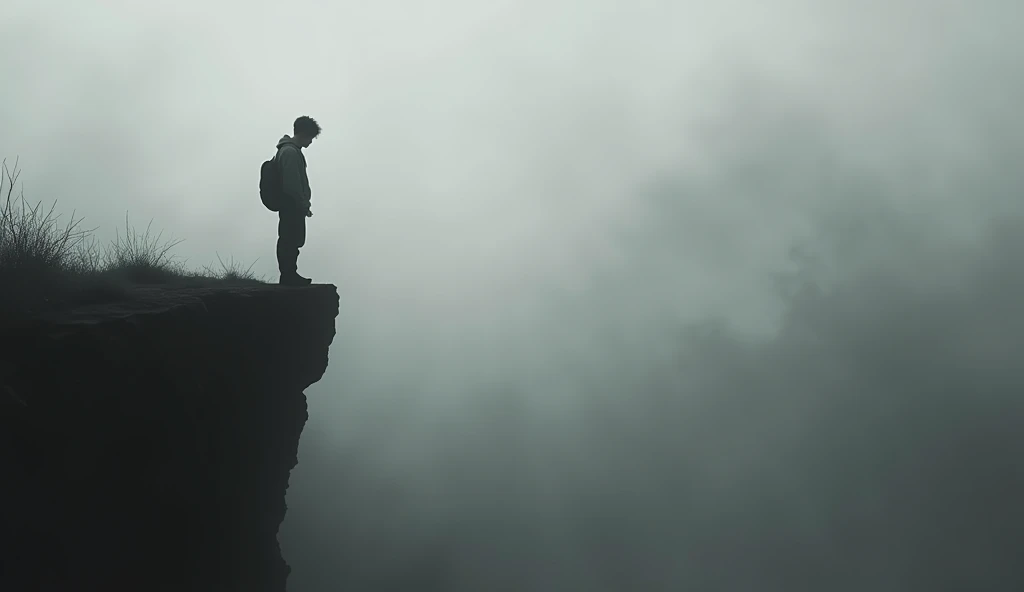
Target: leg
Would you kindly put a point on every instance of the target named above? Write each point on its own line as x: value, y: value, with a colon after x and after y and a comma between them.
x: 291, y: 236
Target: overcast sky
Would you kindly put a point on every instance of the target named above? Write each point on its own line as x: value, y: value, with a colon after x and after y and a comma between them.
x: 533, y: 210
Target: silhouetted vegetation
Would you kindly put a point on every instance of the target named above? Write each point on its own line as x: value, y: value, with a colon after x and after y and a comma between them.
x: 48, y: 264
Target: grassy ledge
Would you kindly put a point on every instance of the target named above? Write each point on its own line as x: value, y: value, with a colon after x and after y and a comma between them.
x: 48, y: 265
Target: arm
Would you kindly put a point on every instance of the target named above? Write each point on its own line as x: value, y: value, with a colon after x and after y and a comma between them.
x: 292, y: 177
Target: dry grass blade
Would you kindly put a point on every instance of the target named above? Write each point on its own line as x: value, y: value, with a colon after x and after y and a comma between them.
x: 32, y: 239
x: 233, y: 271
x: 141, y: 257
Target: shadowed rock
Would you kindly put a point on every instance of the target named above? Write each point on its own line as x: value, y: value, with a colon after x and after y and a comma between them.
x: 146, y: 444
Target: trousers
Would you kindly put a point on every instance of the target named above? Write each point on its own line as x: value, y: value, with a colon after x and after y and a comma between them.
x: 291, y: 236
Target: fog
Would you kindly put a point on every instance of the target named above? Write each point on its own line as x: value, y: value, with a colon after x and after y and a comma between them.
x: 634, y: 295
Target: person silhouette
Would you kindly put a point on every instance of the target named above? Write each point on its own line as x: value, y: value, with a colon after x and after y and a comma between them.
x: 295, y: 207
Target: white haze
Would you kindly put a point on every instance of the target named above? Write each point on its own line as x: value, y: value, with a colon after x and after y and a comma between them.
x: 634, y: 295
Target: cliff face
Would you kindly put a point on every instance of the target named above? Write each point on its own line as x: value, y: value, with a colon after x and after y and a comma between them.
x: 146, y: 445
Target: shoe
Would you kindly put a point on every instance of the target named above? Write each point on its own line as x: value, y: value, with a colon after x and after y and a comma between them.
x: 295, y: 279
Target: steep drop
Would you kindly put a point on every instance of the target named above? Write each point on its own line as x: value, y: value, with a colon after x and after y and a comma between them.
x: 146, y: 444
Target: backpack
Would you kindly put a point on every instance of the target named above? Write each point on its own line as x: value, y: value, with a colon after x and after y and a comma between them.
x: 271, y: 185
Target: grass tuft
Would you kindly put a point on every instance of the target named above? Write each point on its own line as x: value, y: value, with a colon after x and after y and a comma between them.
x: 47, y: 264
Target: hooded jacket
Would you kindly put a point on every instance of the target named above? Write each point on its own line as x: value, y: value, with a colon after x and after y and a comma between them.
x: 293, y: 172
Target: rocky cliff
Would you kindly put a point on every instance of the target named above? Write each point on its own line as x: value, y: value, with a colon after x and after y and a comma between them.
x: 146, y: 444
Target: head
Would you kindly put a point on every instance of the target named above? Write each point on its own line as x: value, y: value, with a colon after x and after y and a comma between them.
x: 305, y: 129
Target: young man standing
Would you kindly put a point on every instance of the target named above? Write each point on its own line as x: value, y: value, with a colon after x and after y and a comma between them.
x: 294, y: 209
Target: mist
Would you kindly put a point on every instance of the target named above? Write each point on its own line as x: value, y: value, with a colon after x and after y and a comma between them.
x: 634, y: 296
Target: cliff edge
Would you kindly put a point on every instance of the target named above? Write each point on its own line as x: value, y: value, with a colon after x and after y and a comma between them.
x: 146, y: 444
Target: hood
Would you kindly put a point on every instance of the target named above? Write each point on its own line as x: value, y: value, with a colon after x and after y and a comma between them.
x: 286, y: 139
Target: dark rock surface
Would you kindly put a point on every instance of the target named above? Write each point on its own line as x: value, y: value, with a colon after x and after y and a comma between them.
x: 146, y: 444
